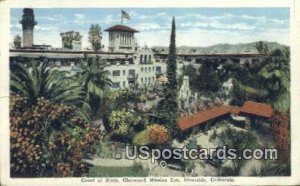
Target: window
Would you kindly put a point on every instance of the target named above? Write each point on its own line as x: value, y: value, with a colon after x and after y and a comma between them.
x: 124, y: 72
x: 152, y: 68
x: 158, y: 70
x: 141, y: 58
x: 150, y: 58
x: 116, y: 73
x: 145, y: 60
x: 116, y: 84
x: 149, y: 69
x: 145, y: 69
x: 142, y: 80
x: 131, y: 72
x: 142, y: 69
x: 149, y: 80
x: 124, y: 84
x: 153, y: 78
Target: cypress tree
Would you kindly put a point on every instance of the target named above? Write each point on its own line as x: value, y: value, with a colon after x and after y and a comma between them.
x: 171, y: 62
x: 168, y: 107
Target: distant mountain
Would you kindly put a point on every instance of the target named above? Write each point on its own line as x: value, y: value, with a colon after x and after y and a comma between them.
x: 221, y: 48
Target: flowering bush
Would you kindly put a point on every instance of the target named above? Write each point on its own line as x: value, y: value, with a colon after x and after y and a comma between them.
x: 122, y: 122
x: 48, y: 139
x: 158, y: 134
x: 280, y: 128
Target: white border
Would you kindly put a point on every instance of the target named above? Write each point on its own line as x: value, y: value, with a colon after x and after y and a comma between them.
x: 4, y: 85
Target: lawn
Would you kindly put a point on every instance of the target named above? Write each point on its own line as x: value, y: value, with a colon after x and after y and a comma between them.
x: 101, y: 171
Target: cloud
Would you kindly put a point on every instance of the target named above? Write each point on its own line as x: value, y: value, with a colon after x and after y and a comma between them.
x: 79, y: 19
x: 109, y: 19
x: 79, y: 16
x: 16, y: 26
x: 217, y: 25
x: 46, y: 28
x: 264, y: 19
x: 161, y: 14
x: 135, y: 15
x: 202, y: 37
x: 149, y: 26
x: 54, y: 17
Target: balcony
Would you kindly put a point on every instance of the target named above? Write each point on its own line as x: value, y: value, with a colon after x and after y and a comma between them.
x: 132, y: 77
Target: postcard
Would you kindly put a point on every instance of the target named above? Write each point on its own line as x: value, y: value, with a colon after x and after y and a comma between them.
x: 148, y: 93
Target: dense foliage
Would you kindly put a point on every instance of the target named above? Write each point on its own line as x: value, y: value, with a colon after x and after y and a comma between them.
x: 48, y: 139
x: 239, y: 140
x: 40, y: 80
x: 17, y: 41
x: 94, y: 80
x: 158, y: 134
x: 168, y: 106
x: 280, y: 127
x: 154, y: 134
x: 69, y: 37
x: 122, y: 122
x: 208, y: 79
x: 95, y: 37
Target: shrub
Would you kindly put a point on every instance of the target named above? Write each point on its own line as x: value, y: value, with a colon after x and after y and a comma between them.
x: 158, y: 134
x: 153, y: 134
x: 48, y: 139
x: 122, y: 122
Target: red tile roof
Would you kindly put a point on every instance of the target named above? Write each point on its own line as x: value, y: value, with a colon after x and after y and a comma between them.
x: 249, y: 107
x: 259, y: 109
x: 121, y: 28
x: 203, y: 116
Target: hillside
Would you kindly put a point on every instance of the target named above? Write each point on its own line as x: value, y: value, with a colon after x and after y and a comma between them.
x: 221, y: 48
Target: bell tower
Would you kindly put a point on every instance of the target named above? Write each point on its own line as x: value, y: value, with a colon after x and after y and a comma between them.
x: 28, y: 24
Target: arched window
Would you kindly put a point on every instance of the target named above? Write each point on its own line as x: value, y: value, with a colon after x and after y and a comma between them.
x: 150, y: 58
x: 145, y: 60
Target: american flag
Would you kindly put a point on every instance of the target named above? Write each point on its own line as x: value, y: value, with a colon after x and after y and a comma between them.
x: 125, y: 15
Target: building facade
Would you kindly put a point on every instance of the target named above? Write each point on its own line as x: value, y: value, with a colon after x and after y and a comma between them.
x: 141, y: 71
x: 121, y: 39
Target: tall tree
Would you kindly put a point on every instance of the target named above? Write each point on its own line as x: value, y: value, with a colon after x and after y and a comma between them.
x: 276, y: 79
x: 208, y: 80
x: 94, y: 79
x: 168, y: 107
x: 95, y: 37
x: 261, y: 47
x: 17, y: 41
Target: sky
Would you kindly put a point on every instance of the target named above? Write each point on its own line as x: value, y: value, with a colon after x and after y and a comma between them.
x: 194, y: 26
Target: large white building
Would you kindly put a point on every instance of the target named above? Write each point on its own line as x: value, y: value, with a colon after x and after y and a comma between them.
x: 142, y: 70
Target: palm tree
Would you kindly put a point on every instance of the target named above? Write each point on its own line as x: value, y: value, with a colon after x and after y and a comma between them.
x: 239, y: 140
x: 42, y: 80
x: 276, y: 76
x: 94, y: 79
